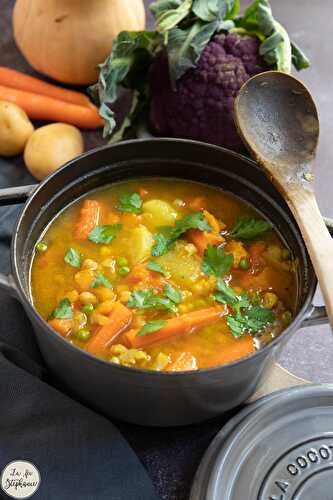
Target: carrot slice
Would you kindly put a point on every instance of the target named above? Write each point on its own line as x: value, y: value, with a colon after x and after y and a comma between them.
x: 184, y: 362
x: 88, y: 219
x: 120, y: 318
x: 242, y: 347
x: 15, y: 79
x: 201, y: 239
x: 181, y: 325
x: 42, y: 107
x: 61, y: 326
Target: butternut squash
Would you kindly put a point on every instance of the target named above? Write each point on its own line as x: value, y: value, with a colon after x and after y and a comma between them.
x: 67, y: 39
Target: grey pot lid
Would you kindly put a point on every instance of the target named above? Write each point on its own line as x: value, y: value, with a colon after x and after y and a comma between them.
x: 280, y: 448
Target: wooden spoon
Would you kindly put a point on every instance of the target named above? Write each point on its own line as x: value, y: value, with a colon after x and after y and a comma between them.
x: 278, y: 122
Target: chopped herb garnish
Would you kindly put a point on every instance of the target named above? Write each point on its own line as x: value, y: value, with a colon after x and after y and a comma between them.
x: 248, y: 228
x: 155, y: 266
x: 130, y: 202
x: 216, y: 262
x: 227, y: 295
x: 104, y: 234
x: 63, y: 311
x: 173, y: 293
x: 151, y: 327
x: 146, y: 299
x: 167, y: 235
x: 101, y: 280
x: 73, y: 258
x: 253, y: 320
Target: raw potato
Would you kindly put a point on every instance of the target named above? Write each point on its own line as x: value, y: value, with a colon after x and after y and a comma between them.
x: 15, y: 129
x: 163, y: 214
x: 140, y: 244
x: 50, y: 147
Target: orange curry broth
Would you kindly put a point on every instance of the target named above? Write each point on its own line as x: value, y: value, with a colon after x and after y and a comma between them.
x: 52, y: 279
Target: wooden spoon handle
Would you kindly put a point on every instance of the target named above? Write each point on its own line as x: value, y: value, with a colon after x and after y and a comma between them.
x: 317, y: 240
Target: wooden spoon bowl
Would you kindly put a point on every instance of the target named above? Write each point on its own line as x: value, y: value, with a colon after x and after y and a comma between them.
x: 278, y: 122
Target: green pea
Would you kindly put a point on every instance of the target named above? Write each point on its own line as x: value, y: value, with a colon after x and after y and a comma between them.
x: 88, y: 308
x: 122, y: 262
x: 123, y: 271
x: 244, y: 264
x: 287, y: 317
x: 41, y: 247
x: 83, y: 335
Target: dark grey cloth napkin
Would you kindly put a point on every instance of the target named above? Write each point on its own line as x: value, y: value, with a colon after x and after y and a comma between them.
x: 80, y: 454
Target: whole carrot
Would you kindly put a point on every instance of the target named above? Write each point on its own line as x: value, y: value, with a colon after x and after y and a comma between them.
x: 17, y: 80
x: 41, y: 107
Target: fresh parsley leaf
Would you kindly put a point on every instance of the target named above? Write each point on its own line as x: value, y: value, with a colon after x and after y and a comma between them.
x: 130, y: 202
x: 216, y: 262
x: 73, y: 258
x: 151, y: 327
x: 227, y: 295
x: 173, y: 293
x: 146, y: 299
x: 167, y: 235
x: 101, y: 280
x: 252, y: 321
x: 247, y: 228
x: 104, y: 235
x: 155, y: 266
x: 63, y: 311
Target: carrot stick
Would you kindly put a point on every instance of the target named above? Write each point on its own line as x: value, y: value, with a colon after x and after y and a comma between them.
x: 242, y: 347
x: 201, y: 239
x: 184, y: 362
x: 120, y: 318
x: 181, y: 325
x: 62, y: 326
x: 17, y: 80
x: 88, y: 219
x: 41, y: 107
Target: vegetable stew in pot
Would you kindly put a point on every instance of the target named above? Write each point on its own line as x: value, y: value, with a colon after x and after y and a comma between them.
x: 164, y: 274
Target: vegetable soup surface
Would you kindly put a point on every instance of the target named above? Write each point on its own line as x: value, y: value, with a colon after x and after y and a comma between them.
x: 164, y: 274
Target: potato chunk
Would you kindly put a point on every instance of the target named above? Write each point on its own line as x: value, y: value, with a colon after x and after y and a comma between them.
x: 139, y: 244
x: 182, y: 264
x: 162, y: 213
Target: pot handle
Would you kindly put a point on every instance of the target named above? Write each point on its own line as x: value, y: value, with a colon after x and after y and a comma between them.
x: 13, y: 196
x: 16, y: 195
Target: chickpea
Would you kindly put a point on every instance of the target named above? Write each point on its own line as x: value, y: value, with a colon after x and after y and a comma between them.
x: 105, y: 307
x: 99, y: 319
x: 84, y: 278
x: 270, y: 300
x: 124, y: 296
x: 89, y: 264
x: 72, y: 296
x: 88, y: 298
x: 103, y: 293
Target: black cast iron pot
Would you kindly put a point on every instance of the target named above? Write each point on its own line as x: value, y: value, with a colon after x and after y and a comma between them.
x: 141, y: 396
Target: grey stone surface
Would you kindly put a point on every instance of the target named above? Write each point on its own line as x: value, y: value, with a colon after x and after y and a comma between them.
x: 172, y: 455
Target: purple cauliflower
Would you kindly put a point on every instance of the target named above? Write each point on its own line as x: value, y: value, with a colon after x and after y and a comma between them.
x: 202, y: 106
x: 186, y: 73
